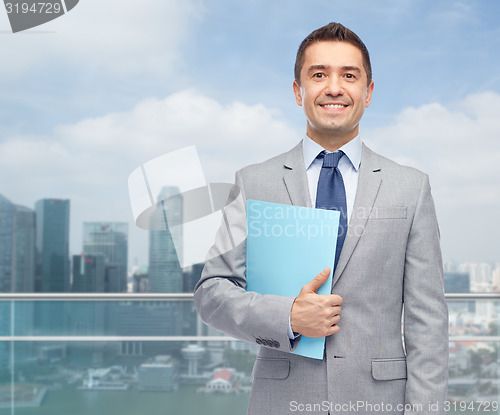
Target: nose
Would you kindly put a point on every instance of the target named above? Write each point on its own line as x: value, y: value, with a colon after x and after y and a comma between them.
x: 333, y: 87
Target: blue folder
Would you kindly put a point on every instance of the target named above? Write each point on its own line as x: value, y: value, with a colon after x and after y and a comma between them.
x: 287, y: 246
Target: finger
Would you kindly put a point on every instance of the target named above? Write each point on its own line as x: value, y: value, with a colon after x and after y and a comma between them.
x: 336, y: 300
x: 317, y: 281
x: 336, y: 310
x: 333, y: 301
x: 335, y: 319
x: 334, y: 329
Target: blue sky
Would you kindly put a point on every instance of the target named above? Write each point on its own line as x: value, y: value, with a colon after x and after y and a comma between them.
x: 92, y: 95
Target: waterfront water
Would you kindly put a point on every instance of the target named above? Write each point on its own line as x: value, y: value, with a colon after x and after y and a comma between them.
x: 185, y: 400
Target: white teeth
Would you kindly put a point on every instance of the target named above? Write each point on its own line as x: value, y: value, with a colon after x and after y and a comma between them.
x: 334, y: 106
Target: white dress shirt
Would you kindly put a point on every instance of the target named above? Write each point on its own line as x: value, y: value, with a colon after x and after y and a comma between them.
x: 348, y: 166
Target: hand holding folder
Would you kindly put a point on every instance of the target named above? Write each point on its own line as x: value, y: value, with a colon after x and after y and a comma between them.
x: 286, y: 247
x: 316, y: 315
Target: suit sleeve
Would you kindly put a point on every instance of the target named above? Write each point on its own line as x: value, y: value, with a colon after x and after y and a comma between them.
x: 220, y: 296
x: 425, y: 312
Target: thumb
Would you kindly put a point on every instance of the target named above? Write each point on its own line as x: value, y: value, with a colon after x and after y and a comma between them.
x: 318, y: 280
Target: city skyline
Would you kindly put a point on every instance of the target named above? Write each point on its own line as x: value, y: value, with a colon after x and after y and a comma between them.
x: 163, y: 365
x: 170, y: 263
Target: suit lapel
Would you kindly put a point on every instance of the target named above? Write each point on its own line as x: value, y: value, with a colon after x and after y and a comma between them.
x: 368, y: 186
x: 294, y: 177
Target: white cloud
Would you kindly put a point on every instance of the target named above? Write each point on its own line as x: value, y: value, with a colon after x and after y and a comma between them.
x: 112, y: 37
x: 227, y: 136
x: 459, y: 148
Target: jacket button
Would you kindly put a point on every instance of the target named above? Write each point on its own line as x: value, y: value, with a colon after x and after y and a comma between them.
x: 276, y: 344
x: 265, y: 342
x: 258, y: 340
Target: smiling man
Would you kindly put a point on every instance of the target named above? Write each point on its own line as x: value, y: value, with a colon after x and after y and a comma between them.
x: 334, y: 90
x: 387, y: 263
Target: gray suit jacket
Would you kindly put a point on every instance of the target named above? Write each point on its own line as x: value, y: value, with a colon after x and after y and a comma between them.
x: 390, y: 258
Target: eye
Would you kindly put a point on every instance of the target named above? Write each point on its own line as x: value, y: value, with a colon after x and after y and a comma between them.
x: 349, y: 76
x: 319, y: 75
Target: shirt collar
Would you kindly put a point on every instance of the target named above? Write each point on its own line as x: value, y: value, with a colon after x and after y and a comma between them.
x: 352, y: 150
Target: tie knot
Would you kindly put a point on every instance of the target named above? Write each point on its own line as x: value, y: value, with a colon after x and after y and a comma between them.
x: 331, y: 159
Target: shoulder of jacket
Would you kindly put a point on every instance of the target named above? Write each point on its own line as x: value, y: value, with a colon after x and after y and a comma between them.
x: 270, y: 166
x: 394, y: 168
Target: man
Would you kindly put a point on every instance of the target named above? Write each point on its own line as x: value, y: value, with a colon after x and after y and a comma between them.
x: 389, y: 257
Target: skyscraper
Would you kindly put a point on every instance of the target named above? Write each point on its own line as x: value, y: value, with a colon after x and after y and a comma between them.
x: 17, y: 267
x: 88, y: 318
x: 165, y: 273
x: 191, y: 319
x: 23, y: 270
x: 52, y: 264
x: 23, y: 278
x: 88, y: 273
x: 52, y: 245
x: 7, y: 212
x: 109, y: 239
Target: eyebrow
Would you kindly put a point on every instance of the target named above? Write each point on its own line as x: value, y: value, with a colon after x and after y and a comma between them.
x: 351, y: 68
x: 313, y: 68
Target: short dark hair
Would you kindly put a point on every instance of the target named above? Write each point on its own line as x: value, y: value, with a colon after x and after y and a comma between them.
x: 338, y: 33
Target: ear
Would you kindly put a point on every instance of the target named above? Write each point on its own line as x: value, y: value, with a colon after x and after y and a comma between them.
x: 369, y: 92
x: 298, y: 94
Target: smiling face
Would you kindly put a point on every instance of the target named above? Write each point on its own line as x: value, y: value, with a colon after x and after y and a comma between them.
x: 333, y: 91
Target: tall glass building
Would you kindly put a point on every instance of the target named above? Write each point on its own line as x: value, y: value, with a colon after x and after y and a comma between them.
x: 52, y: 274
x: 7, y: 210
x: 109, y: 239
x: 165, y: 273
x: 17, y: 269
x: 17, y: 247
x: 23, y: 271
x: 52, y: 245
x: 88, y: 318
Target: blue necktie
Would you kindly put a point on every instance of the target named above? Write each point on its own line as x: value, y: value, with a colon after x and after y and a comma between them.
x: 331, y: 193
